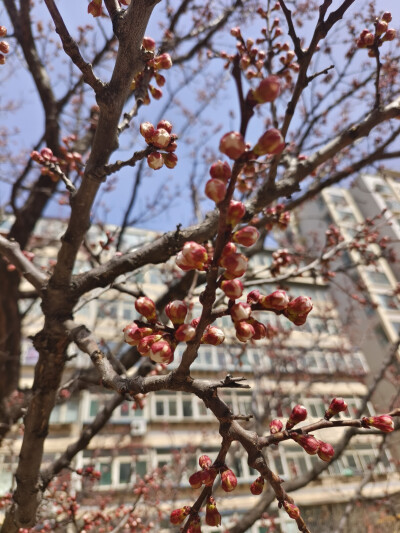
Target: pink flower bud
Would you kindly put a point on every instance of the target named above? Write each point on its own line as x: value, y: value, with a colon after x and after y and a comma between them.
x: 381, y: 27
x: 35, y: 156
x: 246, y: 236
x: 178, y: 515
x: 213, y: 518
x: 3, y: 31
x: 336, y: 406
x: 196, y: 479
x: 146, y: 307
x: 147, y: 130
x: 236, y: 212
x: 163, y: 61
x: 220, y: 170
x: 46, y: 153
x: 204, y: 462
x: 209, y: 475
x: 182, y: 263
x: 244, y: 331
x: 369, y: 39
x: 390, y: 34
x: 260, y: 331
x: 228, y: 480
x: 298, y: 414
x: 161, y: 138
x: 275, y: 426
x: 176, y: 311
x: 257, y: 486
x: 292, y: 510
x: 161, y: 352
x: 298, y: 309
x: 268, y: 90
x: 235, y: 32
x: 235, y: 264
x: 213, y: 336
x: 276, y: 301
x: 271, y: 142
x: 215, y: 190
x: 155, y: 160
x: 382, y: 422
x: 233, y: 288
x: 146, y: 342
x: 229, y: 248
x: 325, y: 451
x: 309, y: 443
x: 240, y: 311
x: 4, y: 47
x: 149, y: 44
x: 194, y: 254
x: 170, y: 160
x: 94, y: 8
x: 387, y: 16
x: 133, y: 334
x: 253, y: 297
x: 185, y: 333
x: 232, y: 144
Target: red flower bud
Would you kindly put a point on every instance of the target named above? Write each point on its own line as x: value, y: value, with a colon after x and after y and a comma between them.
x: 196, y: 479
x: 161, y: 138
x: 381, y: 27
x: 148, y: 44
x: 4, y: 47
x: 387, y: 16
x: 229, y: 248
x: 146, y: 307
x: 194, y: 525
x: 161, y: 352
x: 213, y: 336
x: 233, y: 288
x: 257, y: 486
x: 209, y: 475
x: 170, y: 160
x: 204, y: 462
x: 389, y: 35
x: 298, y: 309
x: 298, y: 414
x: 271, y: 142
x: 133, y: 334
x: 220, y: 170
x: 246, y: 236
x: 213, y: 518
x: 147, y: 130
x: 155, y: 160
x: 276, y: 301
x: 268, y: 90
x: 145, y: 344
x: 382, y: 422
x: 215, y: 190
x: 240, y: 311
x: 235, y: 264
x: 176, y: 311
x: 232, y: 144
x: 3, y: 31
x: 46, y: 153
x: 275, y: 426
x: 260, y: 331
x: 336, y: 406
x: 228, y: 480
x: 292, y: 510
x: 325, y: 451
x: 178, y: 515
x: 163, y: 61
x: 236, y: 212
x: 194, y: 254
x: 253, y: 297
x: 309, y: 443
x: 185, y: 333
x: 244, y: 331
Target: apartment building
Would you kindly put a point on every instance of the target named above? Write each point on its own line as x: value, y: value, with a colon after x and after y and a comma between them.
x: 310, y: 364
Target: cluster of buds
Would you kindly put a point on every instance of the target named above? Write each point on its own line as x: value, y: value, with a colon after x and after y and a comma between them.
x: 220, y: 173
x: 382, y: 33
x: 67, y: 162
x: 280, y: 259
x: 161, y: 138
x: 337, y: 405
x: 333, y: 236
x: 277, y: 216
x: 206, y: 475
x: 382, y: 422
x: 4, y: 46
x: 154, y: 65
x: 295, y: 310
x: 89, y: 472
x: 313, y: 446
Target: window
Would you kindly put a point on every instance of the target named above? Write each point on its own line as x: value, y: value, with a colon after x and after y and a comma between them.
x: 125, y: 472
x: 106, y: 309
x: 387, y: 301
x: 377, y: 278
x: 105, y: 473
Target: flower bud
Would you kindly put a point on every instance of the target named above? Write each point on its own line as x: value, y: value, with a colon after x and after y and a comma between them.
x: 268, y: 90
x: 298, y: 414
x: 381, y: 27
x: 260, y: 331
x: 148, y: 44
x: 382, y: 422
x: 170, y: 160
x: 176, y: 311
x: 161, y: 138
x: 298, y: 309
x: 146, y: 307
x: 165, y: 125
x: 3, y: 31
x: 182, y: 263
x: 94, y: 8
x: 4, y: 47
x: 228, y: 480
x: 213, y: 336
x: 276, y: 301
x: 257, y: 486
x: 46, y: 153
x: 325, y: 451
x: 253, y: 297
x: 215, y: 190
x: 133, y: 334
x: 194, y: 525
x: 196, y: 479
x: 244, y: 331
x: 220, y: 170
x: 178, y: 515
x: 387, y: 16
x: 161, y: 352
x: 292, y: 510
x: 235, y: 265
x: 240, y: 311
x: 236, y: 212
x: 155, y: 160
x: 229, y: 248
x: 336, y: 406
x: 246, y: 236
x: 163, y: 61
x: 147, y: 130
x: 271, y: 142
x: 233, y: 288
x: 389, y: 35
x: 213, y: 518
x: 309, y: 443
x: 204, y: 462
x: 275, y: 426
x: 145, y: 344
x: 185, y: 333
x: 232, y: 144
x: 194, y: 254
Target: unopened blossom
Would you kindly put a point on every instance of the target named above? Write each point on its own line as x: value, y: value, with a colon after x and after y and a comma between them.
x: 298, y: 414
x: 298, y: 309
x: 276, y: 301
x: 160, y: 138
x: 235, y: 265
x: 232, y: 144
x: 148, y: 44
x: 309, y: 443
x: 268, y: 89
x: 271, y: 142
x: 382, y: 422
x: 246, y: 236
x: 260, y: 331
x: 233, y: 288
x: 215, y: 190
x: 213, y: 518
x: 185, y: 333
x: 209, y: 475
x: 240, y: 311
x: 220, y: 170
x: 178, y: 515
x: 336, y: 406
x: 325, y: 451
x: 228, y: 480
x: 176, y: 311
x: 213, y: 336
x: 170, y: 160
x: 381, y: 27
x: 145, y: 344
x: 292, y: 510
x: 205, y: 461
x: 257, y: 486
x: 195, y: 254
x: 3, y: 31
x: 275, y: 426
x: 163, y: 61
x: 165, y: 124
x: 253, y: 297
x: 4, y: 47
x: 161, y: 352
x: 94, y: 8
x: 155, y: 160
x: 229, y: 248
x: 236, y: 212
x: 133, y: 334
x: 147, y: 130
x: 244, y: 331
x: 146, y: 307
x: 196, y: 479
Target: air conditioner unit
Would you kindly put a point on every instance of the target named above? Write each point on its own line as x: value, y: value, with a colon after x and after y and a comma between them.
x: 138, y: 427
